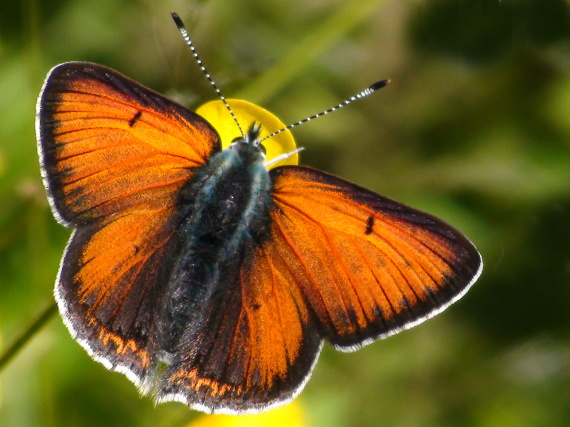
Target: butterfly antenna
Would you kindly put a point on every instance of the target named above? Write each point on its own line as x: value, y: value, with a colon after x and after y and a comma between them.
x: 188, y: 40
x: 368, y: 91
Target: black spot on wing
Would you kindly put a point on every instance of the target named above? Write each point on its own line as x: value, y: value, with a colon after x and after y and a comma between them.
x: 369, y: 225
x: 135, y: 118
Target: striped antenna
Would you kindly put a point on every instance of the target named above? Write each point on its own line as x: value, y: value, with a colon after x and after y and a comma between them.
x: 369, y: 90
x: 188, y: 40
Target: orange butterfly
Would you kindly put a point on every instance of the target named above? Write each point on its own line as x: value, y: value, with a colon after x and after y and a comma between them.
x: 203, y: 276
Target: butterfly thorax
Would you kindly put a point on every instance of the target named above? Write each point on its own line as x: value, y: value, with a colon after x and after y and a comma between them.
x: 227, y: 204
x: 227, y: 199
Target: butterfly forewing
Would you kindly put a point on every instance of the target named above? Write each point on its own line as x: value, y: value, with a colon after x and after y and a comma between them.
x: 368, y: 266
x: 107, y: 143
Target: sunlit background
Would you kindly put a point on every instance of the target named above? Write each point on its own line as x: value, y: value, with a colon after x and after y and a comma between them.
x: 475, y: 128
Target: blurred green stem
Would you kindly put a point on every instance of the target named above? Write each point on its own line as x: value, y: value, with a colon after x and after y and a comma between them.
x: 343, y: 20
x: 27, y: 335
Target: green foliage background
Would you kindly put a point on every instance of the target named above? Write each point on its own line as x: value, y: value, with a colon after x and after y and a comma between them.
x: 474, y: 128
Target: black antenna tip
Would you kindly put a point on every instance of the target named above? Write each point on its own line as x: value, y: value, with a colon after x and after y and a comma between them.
x: 177, y: 20
x: 379, y: 85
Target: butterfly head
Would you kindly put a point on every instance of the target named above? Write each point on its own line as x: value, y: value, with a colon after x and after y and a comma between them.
x: 250, y: 144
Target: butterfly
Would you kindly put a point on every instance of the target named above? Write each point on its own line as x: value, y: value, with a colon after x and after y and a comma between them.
x: 207, y: 278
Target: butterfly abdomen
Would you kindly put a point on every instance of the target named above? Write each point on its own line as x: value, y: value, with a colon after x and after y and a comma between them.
x: 228, y: 203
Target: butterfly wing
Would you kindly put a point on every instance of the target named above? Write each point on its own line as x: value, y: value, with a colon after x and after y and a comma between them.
x: 111, y: 283
x: 114, y: 156
x: 255, y: 345
x: 337, y: 262
x: 367, y: 265
x: 107, y: 142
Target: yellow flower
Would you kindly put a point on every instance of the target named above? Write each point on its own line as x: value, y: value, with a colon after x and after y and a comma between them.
x: 286, y: 416
x: 218, y: 116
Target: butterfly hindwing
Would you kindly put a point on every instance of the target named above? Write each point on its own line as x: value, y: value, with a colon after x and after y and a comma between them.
x: 111, y: 285
x: 367, y: 265
x: 255, y: 345
x: 114, y: 156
